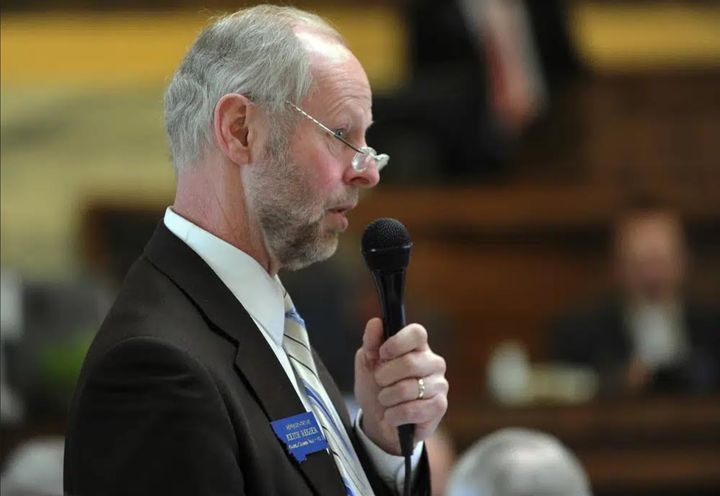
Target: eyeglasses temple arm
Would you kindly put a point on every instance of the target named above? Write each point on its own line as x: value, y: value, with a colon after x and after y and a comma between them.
x: 324, y: 127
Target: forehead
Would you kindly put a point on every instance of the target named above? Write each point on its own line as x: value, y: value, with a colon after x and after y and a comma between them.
x: 651, y: 235
x: 340, y: 82
x: 651, y: 226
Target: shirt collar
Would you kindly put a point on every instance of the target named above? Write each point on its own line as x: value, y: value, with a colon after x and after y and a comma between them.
x: 261, y: 294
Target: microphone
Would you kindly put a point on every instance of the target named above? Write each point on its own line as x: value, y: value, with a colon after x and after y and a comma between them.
x: 386, y: 248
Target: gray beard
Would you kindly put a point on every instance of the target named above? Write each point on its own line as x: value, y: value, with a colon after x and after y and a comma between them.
x: 289, y: 216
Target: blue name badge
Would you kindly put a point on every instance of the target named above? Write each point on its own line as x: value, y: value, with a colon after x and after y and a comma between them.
x: 301, y: 434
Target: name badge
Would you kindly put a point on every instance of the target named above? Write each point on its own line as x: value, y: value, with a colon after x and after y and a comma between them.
x: 301, y: 434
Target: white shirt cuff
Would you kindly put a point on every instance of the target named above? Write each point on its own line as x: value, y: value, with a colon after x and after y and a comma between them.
x: 391, y: 468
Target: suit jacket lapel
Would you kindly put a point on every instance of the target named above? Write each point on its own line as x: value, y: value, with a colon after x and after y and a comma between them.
x: 255, y: 360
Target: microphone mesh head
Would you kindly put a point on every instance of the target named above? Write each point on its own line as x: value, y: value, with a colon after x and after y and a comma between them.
x: 385, y: 233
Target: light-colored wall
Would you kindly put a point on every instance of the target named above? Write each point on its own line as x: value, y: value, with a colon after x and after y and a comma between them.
x: 63, y: 146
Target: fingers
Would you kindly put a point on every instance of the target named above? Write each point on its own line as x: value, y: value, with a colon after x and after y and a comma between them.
x: 417, y: 412
x: 386, y: 382
x: 412, y: 337
x: 411, y: 365
x: 373, y: 336
x: 408, y: 390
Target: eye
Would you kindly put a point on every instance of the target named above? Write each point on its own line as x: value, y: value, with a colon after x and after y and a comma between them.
x: 340, y: 133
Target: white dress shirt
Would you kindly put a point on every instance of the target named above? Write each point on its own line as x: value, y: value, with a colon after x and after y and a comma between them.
x: 262, y: 295
x: 658, y: 334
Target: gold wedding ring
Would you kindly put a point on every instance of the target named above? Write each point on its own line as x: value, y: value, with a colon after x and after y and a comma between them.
x: 421, y: 388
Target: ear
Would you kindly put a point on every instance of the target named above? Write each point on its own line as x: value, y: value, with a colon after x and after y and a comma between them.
x: 235, y: 122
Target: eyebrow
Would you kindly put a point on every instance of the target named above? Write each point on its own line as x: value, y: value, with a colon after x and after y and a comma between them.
x: 343, y: 108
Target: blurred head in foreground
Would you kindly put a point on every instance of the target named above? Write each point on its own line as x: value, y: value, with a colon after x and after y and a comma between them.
x: 518, y: 462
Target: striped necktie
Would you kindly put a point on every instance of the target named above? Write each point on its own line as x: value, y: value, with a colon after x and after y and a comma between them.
x: 297, y: 347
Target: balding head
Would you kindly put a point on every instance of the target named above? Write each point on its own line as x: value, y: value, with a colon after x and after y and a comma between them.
x: 259, y: 52
x: 518, y: 462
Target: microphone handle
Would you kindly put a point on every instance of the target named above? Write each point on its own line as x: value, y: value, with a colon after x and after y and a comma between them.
x: 391, y: 290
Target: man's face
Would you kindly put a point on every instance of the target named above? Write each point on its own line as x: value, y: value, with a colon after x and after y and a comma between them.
x: 301, y: 192
x: 651, y: 256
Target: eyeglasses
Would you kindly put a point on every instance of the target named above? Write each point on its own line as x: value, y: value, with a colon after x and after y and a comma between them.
x: 362, y: 155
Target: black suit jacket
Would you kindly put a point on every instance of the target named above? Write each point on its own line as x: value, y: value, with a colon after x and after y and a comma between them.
x: 178, y: 390
x: 598, y: 337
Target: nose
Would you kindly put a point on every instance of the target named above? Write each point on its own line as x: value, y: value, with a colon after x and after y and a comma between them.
x: 365, y: 179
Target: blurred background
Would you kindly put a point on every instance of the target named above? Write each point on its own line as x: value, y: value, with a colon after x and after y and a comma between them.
x: 557, y: 164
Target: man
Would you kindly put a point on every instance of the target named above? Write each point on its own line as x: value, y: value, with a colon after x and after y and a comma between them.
x: 201, y: 380
x: 647, y: 337
x: 518, y: 462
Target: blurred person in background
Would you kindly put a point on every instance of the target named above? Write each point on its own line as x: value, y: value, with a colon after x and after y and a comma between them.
x: 483, y: 73
x: 518, y: 462
x: 202, y: 377
x: 647, y: 336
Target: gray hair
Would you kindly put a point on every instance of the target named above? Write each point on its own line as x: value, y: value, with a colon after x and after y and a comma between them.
x: 518, y: 462
x: 253, y: 52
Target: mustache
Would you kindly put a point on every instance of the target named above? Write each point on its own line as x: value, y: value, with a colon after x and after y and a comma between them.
x: 350, y: 198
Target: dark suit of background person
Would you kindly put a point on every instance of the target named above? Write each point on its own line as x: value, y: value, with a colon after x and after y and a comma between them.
x: 647, y: 337
x: 181, y: 384
x: 599, y: 337
x: 445, y: 122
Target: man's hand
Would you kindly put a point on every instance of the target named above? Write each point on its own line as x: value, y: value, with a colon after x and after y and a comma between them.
x: 637, y: 377
x: 386, y: 384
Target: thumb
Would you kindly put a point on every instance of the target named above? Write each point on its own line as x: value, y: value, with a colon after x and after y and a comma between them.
x: 373, y: 336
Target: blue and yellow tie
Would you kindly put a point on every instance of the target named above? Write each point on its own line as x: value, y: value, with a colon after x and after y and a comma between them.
x: 297, y: 347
